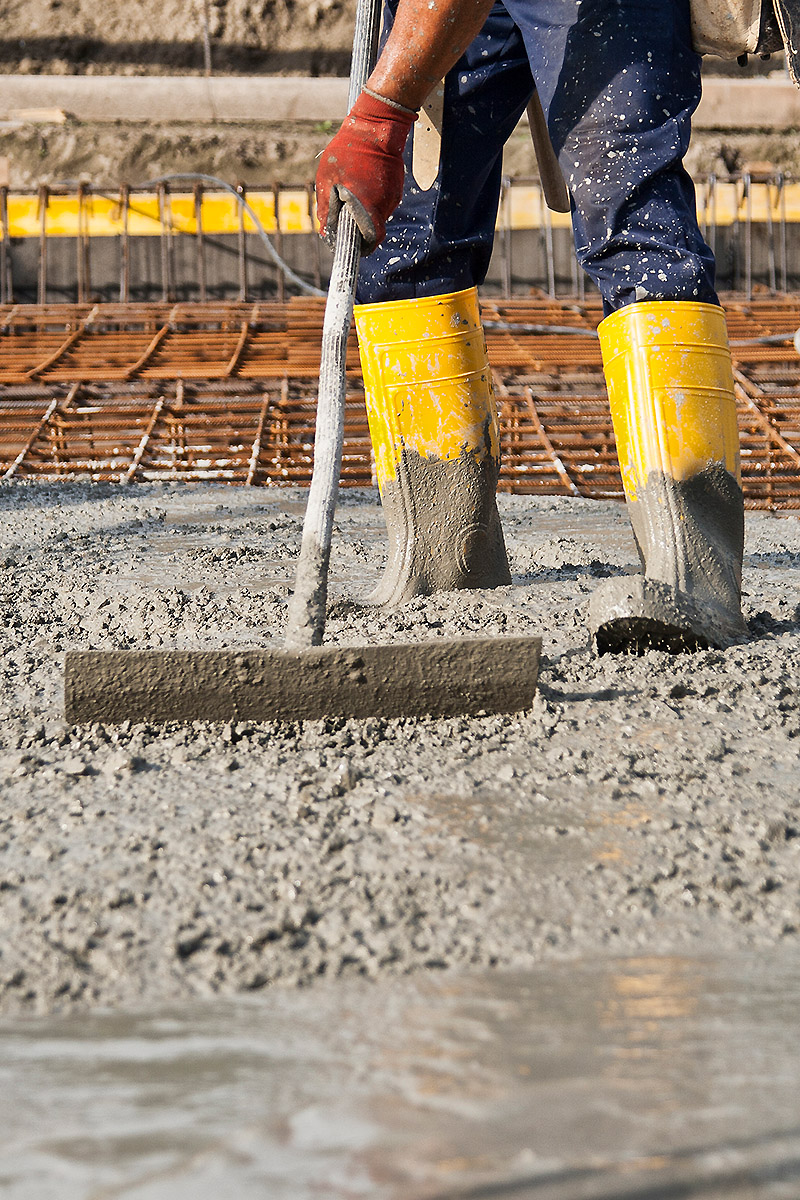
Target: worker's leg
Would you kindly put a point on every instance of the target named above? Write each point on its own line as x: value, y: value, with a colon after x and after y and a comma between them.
x: 619, y: 81
x: 431, y: 407
x: 439, y: 239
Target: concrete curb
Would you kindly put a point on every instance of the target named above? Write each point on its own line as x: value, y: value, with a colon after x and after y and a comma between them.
x: 748, y: 104
x: 187, y: 98
x: 726, y: 103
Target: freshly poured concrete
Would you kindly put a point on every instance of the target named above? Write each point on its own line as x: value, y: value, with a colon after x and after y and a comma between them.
x: 639, y: 806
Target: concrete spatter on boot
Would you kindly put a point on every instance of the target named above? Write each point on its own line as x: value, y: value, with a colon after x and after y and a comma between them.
x: 690, y: 537
x: 443, y: 526
x: 690, y: 533
x: 439, y: 418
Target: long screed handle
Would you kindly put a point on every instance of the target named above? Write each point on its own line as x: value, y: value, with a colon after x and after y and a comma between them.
x: 306, y: 617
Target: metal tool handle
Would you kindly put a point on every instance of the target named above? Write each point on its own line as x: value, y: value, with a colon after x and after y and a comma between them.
x: 553, y: 185
x: 306, y: 617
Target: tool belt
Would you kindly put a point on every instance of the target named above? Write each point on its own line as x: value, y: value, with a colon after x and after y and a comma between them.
x: 736, y: 28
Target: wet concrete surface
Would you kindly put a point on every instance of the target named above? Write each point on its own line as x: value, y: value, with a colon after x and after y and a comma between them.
x: 641, y: 804
x: 606, y: 1079
x: 553, y: 954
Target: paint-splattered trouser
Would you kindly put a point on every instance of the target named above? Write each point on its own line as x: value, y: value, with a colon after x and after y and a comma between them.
x: 618, y: 81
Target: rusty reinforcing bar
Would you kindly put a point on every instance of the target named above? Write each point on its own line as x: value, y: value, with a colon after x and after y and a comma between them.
x: 226, y: 392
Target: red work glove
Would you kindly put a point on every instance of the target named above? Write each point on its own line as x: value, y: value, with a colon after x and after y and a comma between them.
x: 363, y: 168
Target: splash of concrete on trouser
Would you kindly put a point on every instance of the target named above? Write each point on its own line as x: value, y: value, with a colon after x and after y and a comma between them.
x: 443, y: 526
x: 690, y: 537
x: 617, y: 93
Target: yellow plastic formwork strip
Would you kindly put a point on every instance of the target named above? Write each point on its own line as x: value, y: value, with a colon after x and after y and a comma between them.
x: 727, y: 203
x: 723, y: 205
x: 526, y: 210
x: 102, y: 216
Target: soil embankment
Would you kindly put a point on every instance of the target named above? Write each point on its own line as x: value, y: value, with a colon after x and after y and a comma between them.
x: 79, y: 37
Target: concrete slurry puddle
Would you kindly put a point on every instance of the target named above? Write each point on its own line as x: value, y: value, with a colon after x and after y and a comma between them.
x: 653, y: 1076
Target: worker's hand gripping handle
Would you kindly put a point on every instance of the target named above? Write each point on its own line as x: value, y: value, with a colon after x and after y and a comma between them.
x: 363, y: 168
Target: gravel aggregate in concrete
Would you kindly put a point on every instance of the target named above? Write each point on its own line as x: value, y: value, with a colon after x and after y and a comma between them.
x: 644, y: 804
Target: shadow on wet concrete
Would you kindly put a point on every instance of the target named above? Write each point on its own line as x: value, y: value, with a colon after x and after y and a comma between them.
x: 559, y: 697
x: 776, y: 559
x: 649, y: 1078
x: 572, y: 571
x: 765, y: 625
x: 690, y: 1178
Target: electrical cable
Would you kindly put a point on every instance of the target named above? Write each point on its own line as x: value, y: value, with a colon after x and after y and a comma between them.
x: 772, y: 339
x: 197, y: 177
x: 509, y: 327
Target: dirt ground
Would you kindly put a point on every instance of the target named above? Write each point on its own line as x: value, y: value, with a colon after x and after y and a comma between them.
x: 275, y: 37
x: 66, y: 37
x: 259, y: 154
x: 643, y: 805
x: 302, y: 37
x: 111, y: 154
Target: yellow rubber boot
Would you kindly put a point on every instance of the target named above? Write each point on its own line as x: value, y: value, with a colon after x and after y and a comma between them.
x: 433, y: 425
x: 670, y: 385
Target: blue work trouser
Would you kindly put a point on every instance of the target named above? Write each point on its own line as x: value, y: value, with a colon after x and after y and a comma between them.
x: 618, y: 81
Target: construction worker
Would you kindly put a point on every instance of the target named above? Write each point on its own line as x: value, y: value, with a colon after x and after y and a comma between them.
x: 618, y: 82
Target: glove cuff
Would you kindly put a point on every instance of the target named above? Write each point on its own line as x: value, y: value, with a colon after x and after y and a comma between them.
x: 375, y: 109
x: 411, y: 112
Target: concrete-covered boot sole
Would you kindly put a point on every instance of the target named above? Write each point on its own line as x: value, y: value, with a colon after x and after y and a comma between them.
x: 670, y: 387
x: 635, y: 614
x: 444, y: 529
